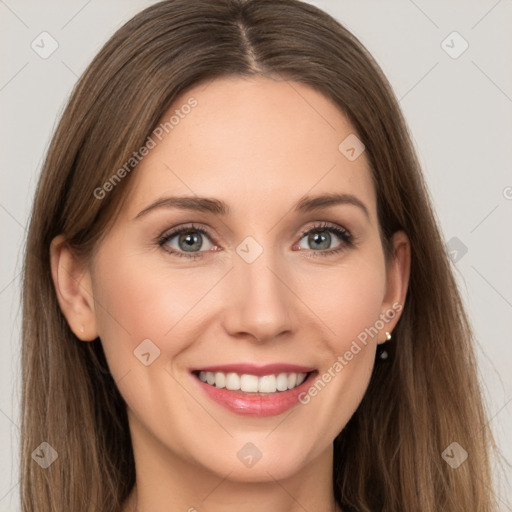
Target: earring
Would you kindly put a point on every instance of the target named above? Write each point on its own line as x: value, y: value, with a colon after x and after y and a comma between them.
x: 382, y: 353
x: 82, y: 328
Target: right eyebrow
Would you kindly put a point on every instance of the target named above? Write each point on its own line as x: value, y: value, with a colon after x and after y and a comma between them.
x: 200, y: 204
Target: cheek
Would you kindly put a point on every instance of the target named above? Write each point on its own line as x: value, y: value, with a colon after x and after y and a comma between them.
x: 349, y: 304
x: 138, y: 301
x: 125, y: 310
x: 173, y: 309
x: 348, y: 299
x: 146, y: 315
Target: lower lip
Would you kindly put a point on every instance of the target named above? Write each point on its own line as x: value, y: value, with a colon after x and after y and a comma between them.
x: 256, y: 404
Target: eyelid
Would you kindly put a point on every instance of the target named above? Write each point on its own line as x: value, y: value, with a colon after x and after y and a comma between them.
x: 341, y: 232
x: 178, y: 230
x: 348, y: 240
x: 324, y: 225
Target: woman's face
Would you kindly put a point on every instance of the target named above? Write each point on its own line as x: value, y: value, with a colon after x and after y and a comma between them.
x: 272, y: 283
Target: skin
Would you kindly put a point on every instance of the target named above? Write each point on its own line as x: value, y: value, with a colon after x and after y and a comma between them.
x: 259, y: 145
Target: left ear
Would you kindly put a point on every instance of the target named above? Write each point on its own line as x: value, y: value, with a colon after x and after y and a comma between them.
x: 397, y: 282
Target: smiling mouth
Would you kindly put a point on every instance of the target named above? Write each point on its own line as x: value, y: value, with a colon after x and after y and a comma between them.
x: 253, y: 384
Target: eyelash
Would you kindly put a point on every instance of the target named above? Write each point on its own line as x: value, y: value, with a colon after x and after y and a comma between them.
x: 348, y: 240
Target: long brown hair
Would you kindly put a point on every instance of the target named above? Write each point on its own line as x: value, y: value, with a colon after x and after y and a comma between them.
x: 423, y: 398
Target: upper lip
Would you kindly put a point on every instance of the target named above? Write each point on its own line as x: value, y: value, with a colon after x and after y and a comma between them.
x: 252, y: 369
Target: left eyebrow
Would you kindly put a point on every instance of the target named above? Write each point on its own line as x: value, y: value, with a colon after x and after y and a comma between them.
x: 312, y: 203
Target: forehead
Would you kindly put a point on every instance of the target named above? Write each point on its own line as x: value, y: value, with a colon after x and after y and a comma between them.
x: 252, y: 142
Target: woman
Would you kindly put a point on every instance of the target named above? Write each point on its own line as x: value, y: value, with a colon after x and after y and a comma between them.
x: 235, y: 292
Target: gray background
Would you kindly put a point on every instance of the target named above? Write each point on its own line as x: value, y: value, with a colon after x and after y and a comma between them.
x: 459, y: 113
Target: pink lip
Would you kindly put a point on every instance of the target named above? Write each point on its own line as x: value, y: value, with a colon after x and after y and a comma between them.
x: 256, y: 404
x: 252, y: 369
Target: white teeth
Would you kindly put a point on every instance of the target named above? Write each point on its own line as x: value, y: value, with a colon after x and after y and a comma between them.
x: 220, y: 380
x: 252, y: 383
x: 232, y: 382
x: 282, y: 382
x: 267, y: 384
x: 249, y: 383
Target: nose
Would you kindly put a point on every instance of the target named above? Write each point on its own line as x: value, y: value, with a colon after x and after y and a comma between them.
x: 259, y: 305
